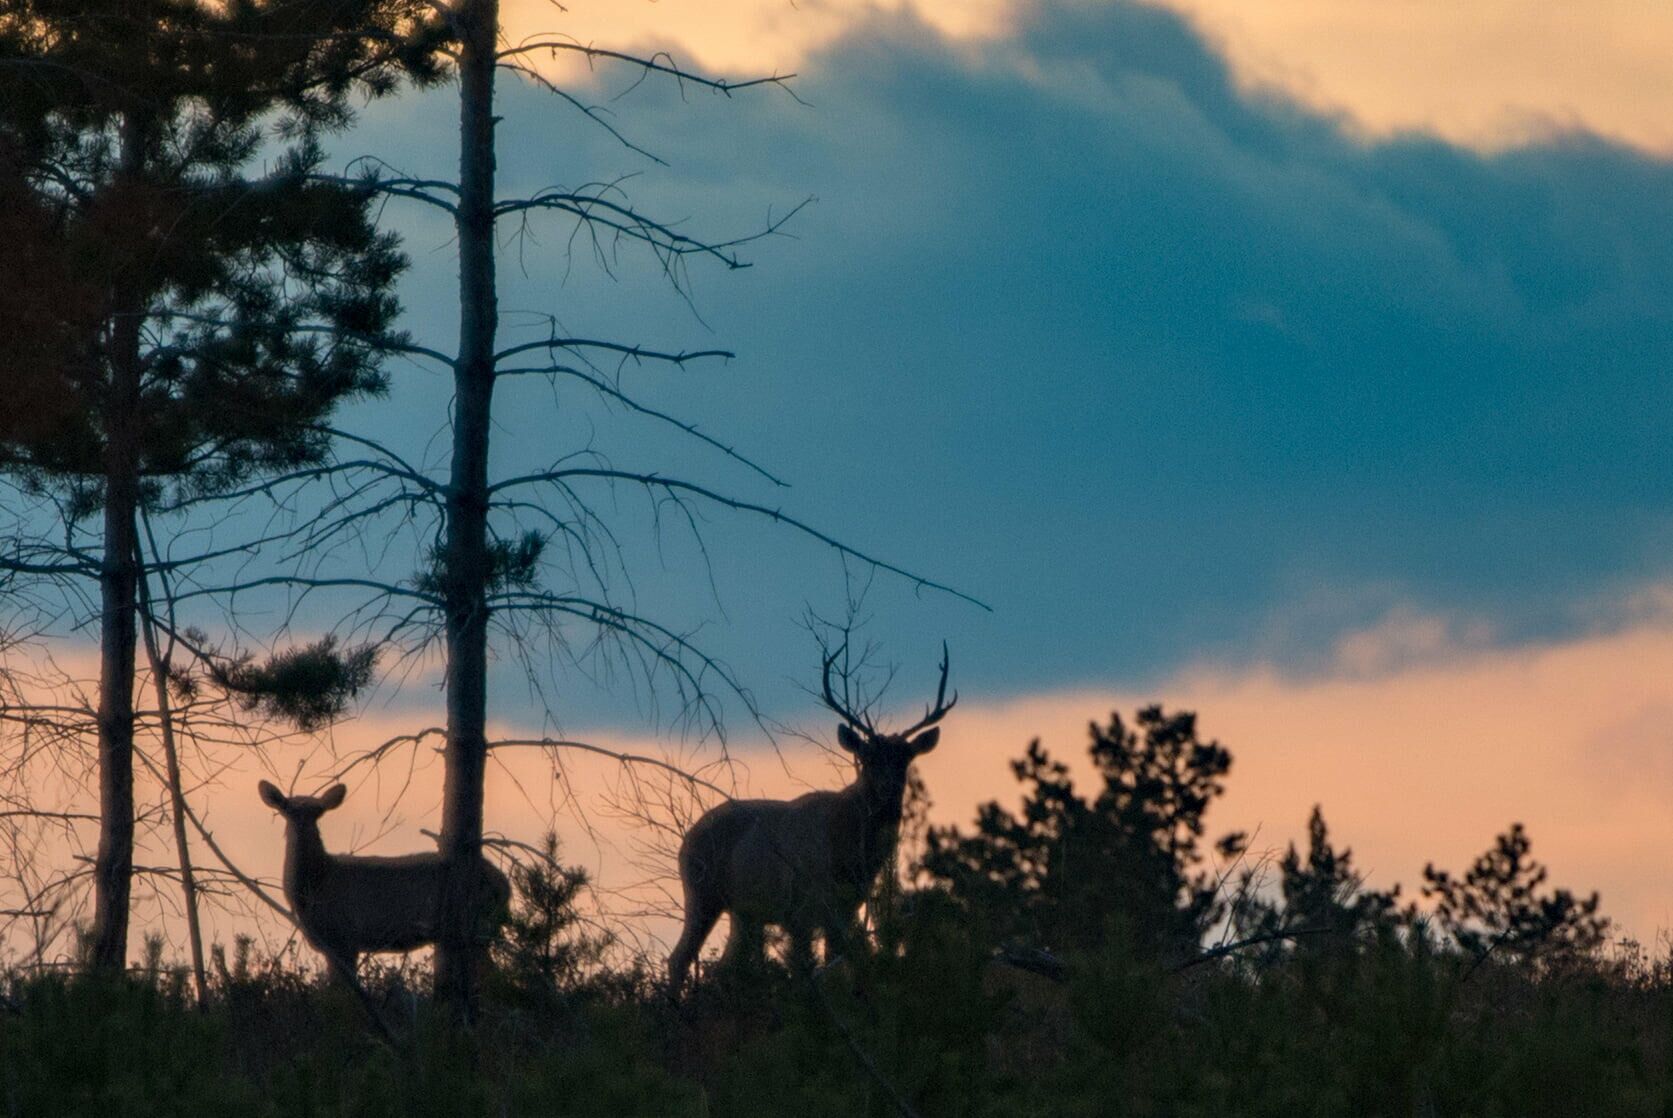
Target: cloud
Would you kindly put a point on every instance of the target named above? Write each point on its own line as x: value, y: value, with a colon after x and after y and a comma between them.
x: 1159, y: 368
x: 738, y: 37
x: 1492, y: 74
x: 1488, y: 74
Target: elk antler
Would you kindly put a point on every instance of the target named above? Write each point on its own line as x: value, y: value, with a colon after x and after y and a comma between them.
x: 936, y: 713
x: 839, y: 707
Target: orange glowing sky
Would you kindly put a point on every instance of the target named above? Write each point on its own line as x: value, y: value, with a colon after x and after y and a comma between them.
x: 1421, y: 741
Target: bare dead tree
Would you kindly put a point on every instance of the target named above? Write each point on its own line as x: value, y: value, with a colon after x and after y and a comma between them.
x: 159, y: 657
x: 524, y: 558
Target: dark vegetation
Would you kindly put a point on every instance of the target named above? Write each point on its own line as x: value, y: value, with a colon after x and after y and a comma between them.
x: 1087, y: 955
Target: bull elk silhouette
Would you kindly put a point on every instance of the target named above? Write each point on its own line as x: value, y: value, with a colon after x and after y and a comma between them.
x: 347, y: 904
x: 806, y: 864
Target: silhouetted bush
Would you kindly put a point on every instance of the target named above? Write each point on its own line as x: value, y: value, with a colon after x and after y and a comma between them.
x: 1497, y: 907
x: 1058, y: 873
x: 547, y: 953
x: 1321, y: 905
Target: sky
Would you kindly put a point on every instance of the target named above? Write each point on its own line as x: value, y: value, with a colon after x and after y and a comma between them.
x: 1300, y: 363
x: 1160, y: 368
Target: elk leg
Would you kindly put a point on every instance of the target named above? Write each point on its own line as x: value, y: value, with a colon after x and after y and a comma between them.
x: 699, y: 922
x: 343, y: 966
x: 746, y: 944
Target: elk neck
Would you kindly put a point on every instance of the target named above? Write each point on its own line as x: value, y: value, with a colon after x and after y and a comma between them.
x: 874, y: 802
x: 304, y: 850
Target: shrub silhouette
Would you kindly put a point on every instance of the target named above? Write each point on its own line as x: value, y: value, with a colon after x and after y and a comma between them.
x: 1374, y: 1018
x: 1321, y: 898
x: 1057, y: 874
x: 547, y: 953
x: 1497, y: 907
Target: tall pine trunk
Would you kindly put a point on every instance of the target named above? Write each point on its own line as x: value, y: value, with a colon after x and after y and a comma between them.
x: 113, y: 868
x: 465, y: 557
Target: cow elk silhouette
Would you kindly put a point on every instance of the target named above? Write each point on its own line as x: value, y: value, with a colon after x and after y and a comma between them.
x: 347, y: 904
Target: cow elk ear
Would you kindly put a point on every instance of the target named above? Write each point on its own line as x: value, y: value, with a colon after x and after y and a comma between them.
x: 272, y: 797
x: 925, y: 741
x: 333, y: 796
x: 851, y: 741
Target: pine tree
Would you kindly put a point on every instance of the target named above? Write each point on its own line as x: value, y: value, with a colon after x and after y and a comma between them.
x: 176, y: 325
x: 1498, y: 906
x: 1322, y: 901
x: 1069, y: 870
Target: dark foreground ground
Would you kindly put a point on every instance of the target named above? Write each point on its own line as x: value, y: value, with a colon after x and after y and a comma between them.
x: 934, y: 1029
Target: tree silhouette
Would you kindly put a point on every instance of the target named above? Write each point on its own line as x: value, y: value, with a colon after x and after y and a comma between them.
x: 191, y: 326
x: 1321, y: 896
x: 1068, y: 871
x: 1497, y: 906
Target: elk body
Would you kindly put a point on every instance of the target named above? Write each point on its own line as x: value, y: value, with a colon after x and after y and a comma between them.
x: 347, y: 905
x: 805, y: 865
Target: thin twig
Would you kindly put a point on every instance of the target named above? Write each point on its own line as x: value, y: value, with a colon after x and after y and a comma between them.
x: 1253, y: 941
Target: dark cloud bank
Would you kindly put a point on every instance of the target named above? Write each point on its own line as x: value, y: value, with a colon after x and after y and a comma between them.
x: 1161, y: 370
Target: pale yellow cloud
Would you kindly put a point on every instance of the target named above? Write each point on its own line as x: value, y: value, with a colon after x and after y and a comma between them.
x: 1486, y: 73
x: 739, y: 37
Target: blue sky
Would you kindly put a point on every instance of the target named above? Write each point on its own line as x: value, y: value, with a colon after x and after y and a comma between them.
x: 1163, y: 371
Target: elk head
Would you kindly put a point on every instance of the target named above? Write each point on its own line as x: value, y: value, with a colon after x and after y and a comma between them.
x: 302, y: 809
x: 884, y: 757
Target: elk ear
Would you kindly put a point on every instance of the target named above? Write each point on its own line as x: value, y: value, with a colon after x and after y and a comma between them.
x: 333, y: 797
x: 271, y: 796
x: 851, y: 741
x: 925, y: 741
